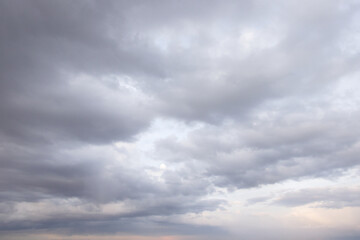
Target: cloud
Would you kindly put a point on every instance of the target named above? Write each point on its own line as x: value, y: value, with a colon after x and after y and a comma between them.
x: 262, y: 152
x: 80, y: 217
x: 271, y: 88
x: 322, y: 197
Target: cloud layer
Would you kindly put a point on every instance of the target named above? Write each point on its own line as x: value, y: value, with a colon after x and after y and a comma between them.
x: 123, y: 117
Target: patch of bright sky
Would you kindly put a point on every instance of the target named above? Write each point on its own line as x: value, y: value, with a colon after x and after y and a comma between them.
x: 144, y: 146
x: 345, y: 96
x: 238, y: 217
x: 227, y: 39
x: 165, y: 39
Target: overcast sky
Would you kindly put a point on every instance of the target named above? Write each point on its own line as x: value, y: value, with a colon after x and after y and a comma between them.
x: 179, y: 120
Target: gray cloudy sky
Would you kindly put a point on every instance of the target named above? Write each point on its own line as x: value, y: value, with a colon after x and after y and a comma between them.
x: 179, y: 120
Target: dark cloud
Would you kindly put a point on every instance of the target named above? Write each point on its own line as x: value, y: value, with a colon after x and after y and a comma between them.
x: 53, y: 56
x: 346, y: 237
x: 114, y: 226
x: 150, y: 220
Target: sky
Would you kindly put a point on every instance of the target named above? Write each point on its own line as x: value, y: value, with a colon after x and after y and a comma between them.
x: 179, y: 120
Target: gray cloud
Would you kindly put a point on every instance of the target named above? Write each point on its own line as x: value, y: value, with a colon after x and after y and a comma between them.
x: 267, y: 82
x: 44, y: 54
x: 322, y: 197
x: 114, y: 226
x: 299, y: 145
